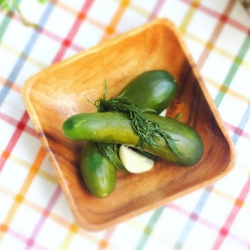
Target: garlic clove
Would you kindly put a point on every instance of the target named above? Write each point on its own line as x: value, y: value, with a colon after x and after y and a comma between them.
x: 134, y: 163
x: 163, y: 113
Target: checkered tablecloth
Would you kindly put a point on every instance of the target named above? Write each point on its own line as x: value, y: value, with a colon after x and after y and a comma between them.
x: 34, y: 213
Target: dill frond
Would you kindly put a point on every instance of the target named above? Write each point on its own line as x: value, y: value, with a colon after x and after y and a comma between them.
x: 147, y: 130
x: 110, y: 152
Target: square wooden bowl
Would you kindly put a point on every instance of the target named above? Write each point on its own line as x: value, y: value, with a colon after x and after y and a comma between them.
x: 61, y: 90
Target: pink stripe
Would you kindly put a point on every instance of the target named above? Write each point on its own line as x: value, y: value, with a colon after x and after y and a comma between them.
x: 107, y: 236
x: 50, y: 35
x: 224, y: 231
x: 66, y: 43
x: 31, y: 241
x: 225, y: 19
x: 207, y: 223
x: 19, y: 129
x: 24, y: 239
x: 237, y: 131
x: 156, y: 9
x: 14, y: 122
x: 59, y: 39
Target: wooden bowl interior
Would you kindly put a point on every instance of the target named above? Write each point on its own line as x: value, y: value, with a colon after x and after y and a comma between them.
x: 62, y: 90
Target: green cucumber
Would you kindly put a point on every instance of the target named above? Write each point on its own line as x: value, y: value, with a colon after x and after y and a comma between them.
x: 111, y: 127
x: 153, y: 89
x: 98, y: 173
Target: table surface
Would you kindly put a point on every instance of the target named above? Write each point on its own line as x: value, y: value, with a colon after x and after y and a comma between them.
x: 34, y: 212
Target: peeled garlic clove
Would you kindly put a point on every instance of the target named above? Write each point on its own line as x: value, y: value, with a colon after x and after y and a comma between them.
x: 163, y: 113
x: 134, y: 163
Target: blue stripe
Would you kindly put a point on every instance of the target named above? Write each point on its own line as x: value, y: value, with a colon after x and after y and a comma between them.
x: 242, y: 124
x: 187, y: 229
x: 20, y: 62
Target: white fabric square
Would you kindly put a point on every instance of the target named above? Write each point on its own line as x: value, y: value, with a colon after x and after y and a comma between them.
x: 97, y: 12
x: 32, y: 10
x: 202, y: 25
x: 237, y: 177
x: 25, y: 220
x: 195, y: 48
x: 8, y: 132
x: 201, y: 237
x: 88, y: 35
x: 7, y: 201
x: 232, y: 114
x: 28, y: 69
x: 45, y: 50
x: 130, y: 19
x: 226, y: 42
x: 13, y: 176
x: 11, y: 112
x: 60, y: 22
x: 172, y: 223
x: 174, y: 10
x: 16, y: 99
x: 243, y: 151
x: 40, y: 191
x: 17, y: 36
x: 216, y: 209
x: 240, y: 81
x: 52, y: 235
x: 8, y: 59
x: 216, y: 67
x: 189, y: 201
x: 27, y: 147
x: 132, y: 232
x: 11, y: 242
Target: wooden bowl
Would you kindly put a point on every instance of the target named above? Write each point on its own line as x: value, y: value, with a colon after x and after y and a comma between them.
x: 61, y: 90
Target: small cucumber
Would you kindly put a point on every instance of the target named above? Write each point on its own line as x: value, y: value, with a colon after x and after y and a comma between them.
x: 111, y: 127
x: 152, y: 89
x: 98, y: 173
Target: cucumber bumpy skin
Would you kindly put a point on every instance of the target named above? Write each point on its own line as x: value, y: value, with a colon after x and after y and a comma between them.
x: 111, y: 127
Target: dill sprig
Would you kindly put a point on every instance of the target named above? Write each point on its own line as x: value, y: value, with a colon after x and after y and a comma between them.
x: 110, y: 152
x: 147, y: 130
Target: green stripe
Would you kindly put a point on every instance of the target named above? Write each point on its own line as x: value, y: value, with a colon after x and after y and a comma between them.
x: 235, y: 66
x: 149, y: 228
x: 5, y: 23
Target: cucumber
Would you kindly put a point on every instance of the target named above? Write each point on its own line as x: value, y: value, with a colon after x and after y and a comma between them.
x: 98, y: 173
x: 111, y: 127
x: 153, y: 89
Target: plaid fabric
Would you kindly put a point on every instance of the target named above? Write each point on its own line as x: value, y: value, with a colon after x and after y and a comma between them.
x: 34, y: 213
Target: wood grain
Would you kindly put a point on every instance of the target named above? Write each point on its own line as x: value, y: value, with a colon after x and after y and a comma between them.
x: 61, y: 90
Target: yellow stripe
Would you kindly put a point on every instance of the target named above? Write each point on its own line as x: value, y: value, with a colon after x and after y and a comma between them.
x: 215, y: 49
x: 229, y: 91
x: 73, y: 229
x: 189, y: 15
x: 19, y: 54
x: 161, y: 237
x: 20, y: 196
x: 42, y: 173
